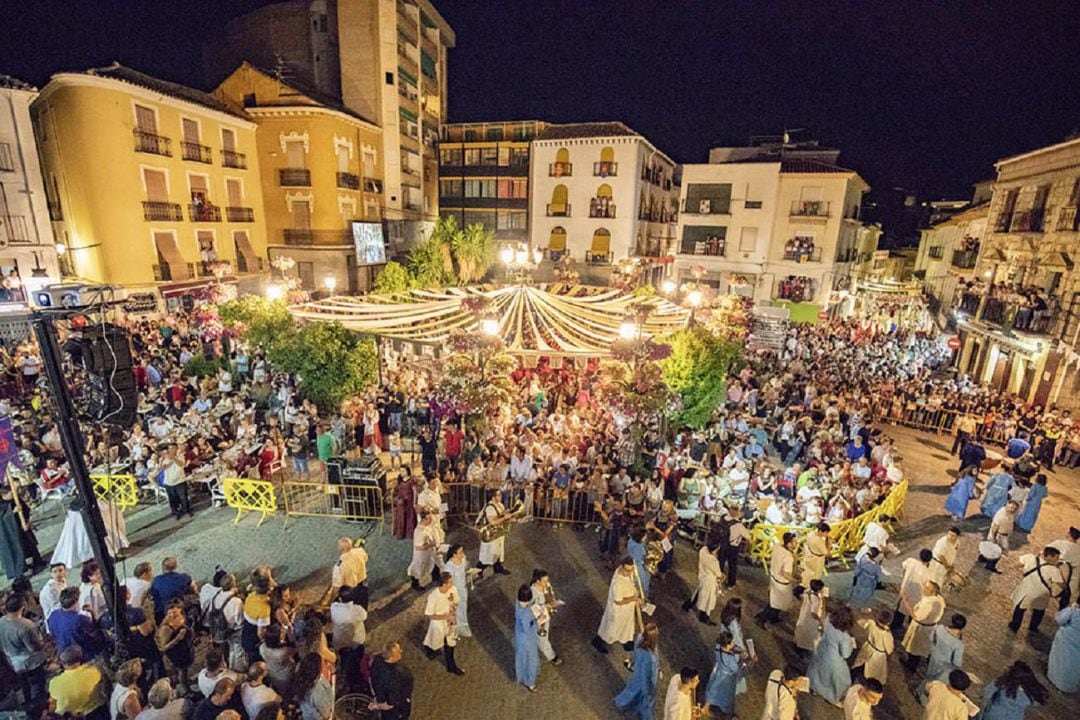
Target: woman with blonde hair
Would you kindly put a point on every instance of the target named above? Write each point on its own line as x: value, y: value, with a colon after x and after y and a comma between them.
x: 125, y: 703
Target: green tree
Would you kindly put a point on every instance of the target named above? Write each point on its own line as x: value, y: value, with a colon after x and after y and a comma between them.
x: 331, y: 363
x: 394, y: 278
x: 474, y: 252
x: 430, y: 262
x: 262, y: 323
x: 697, y: 371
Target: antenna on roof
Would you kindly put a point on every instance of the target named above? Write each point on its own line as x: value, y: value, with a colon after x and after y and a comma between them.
x: 788, y: 132
x: 281, y: 68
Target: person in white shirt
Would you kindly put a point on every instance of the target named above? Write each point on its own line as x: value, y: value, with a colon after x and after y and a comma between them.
x: 781, y: 580
x: 925, y: 615
x: 214, y: 672
x: 944, y: 556
x: 780, y: 690
x: 347, y: 619
x: 679, y: 703
x: 425, y: 542
x: 860, y: 700
x: 916, y: 572
x: 139, y: 583
x: 493, y: 552
x: 351, y: 570
x: 231, y: 606
x: 441, y: 612
x: 1070, y: 565
x: 876, y: 535
x: 815, y: 552
x: 948, y: 702
x: 1001, y: 526
x: 50, y: 592
x: 620, y: 612
x: 1040, y: 582
x: 255, y: 694
x: 710, y: 576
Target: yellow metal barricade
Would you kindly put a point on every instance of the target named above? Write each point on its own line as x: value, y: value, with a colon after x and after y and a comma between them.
x: 345, y: 502
x: 248, y: 495
x: 120, y: 490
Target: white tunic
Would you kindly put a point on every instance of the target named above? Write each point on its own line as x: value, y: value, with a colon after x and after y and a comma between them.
x: 494, y: 551
x: 781, y: 566
x: 709, y: 577
x: 875, y: 536
x: 1070, y: 556
x: 1040, y: 581
x: 942, y: 704
x: 928, y: 612
x: 678, y: 705
x: 440, y: 632
x: 618, y: 623
x: 1001, y: 528
x: 874, y: 653
x: 779, y: 700
x: 815, y: 551
x: 431, y: 501
x: 808, y: 626
x: 855, y: 708
x: 915, y: 574
x: 944, y: 558
x: 423, y: 553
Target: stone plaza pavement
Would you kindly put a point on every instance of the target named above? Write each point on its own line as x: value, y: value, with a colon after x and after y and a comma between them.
x: 582, y: 687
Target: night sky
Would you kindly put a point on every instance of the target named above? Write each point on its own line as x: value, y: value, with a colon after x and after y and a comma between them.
x: 923, y: 95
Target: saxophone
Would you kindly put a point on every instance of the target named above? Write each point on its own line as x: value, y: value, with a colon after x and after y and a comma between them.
x: 490, y: 533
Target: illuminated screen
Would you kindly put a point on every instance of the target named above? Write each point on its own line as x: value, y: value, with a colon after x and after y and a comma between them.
x: 370, y: 248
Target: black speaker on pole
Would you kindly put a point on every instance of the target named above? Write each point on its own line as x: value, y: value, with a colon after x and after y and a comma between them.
x: 111, y: 391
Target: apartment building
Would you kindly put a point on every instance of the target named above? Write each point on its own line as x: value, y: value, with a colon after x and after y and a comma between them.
x: 775, y: 221
x: 384, y: 60
x: 946, y: 258
x: 602, y: 194
x: 27, y: 246
x: 484, y: 175
x: 1020, y: 321
x: 150, y: 184
x: 321, y: 171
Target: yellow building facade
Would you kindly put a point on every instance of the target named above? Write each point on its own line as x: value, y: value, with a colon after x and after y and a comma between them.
x: 321, y: 172
x: 156, y: 184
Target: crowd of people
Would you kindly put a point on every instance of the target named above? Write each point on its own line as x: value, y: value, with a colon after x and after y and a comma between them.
x: 1021, y: 307
x: 798, y: 442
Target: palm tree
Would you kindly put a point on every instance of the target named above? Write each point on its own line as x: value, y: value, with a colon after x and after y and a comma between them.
x: 474, y: 252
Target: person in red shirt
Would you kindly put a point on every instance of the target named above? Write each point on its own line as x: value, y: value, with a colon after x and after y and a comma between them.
x: 452, y: 441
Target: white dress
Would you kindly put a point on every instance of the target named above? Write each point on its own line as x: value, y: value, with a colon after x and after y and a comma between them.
x: 781, y: 565
x: 874, y: 653
x: 808, y: 626
x: 494, y: 551
x: 709, y: 577
x: 423, y: 558
x: 460, y: 574
x: 73, y: 548
x: 618, y: 623
x: 927, y: 614
x: 440, y: 632
x: 944, y: 551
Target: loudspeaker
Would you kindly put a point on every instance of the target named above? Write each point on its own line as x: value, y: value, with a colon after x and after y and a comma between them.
x: 112, y: 396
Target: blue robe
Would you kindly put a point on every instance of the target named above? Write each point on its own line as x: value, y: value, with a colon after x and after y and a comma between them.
x: 723, y: 680
x: 735, y: 629
x: 946, y: 655
x: 829, y: 674
x: 997, y: 494
x: 1027, y: 517
x: 962, y: 491
x: 999, y: 706
x: 864, y: 583
x: 636, y: 551
x: 640, y: 691
x: 1064, y: 664
x: 526, y: 651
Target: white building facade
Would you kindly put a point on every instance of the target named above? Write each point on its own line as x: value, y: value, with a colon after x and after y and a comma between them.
x: 775, y: 228
x: 26, y: 237
x: 600, y: 193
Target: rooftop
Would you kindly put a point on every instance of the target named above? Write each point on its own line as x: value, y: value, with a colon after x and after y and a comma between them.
x: 10, y: 83
x: 306, y: 90
x: 585, y: 130
x: 119, y: 72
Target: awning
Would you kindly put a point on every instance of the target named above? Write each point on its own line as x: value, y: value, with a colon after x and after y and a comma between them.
x: 179, y: 289
x: 244, y: 247
x: 1056, y: 261
x: 170, y: 251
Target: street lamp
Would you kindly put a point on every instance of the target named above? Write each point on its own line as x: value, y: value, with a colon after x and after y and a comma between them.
x: 669, y: 286
x: 694, y: 298
x: 489, y: 326
x: 506, y: 255
x: 330, y: 282
x: 275, y: 291
x: 60, y: 248
x: 629, y: 329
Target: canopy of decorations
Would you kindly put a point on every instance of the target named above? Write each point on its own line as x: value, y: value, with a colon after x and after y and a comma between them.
x: 552, y: 320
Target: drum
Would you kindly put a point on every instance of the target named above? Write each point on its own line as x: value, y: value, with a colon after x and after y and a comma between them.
x: 993, y: 459
x: 989, y: 550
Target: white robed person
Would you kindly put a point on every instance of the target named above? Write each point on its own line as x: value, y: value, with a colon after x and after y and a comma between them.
x: 493, y: 553
x: 430, y: 499
x: 425, y: 543
x: 73, y: 547
x: 1040, y: 583
x: 780, y: 694
x: 815, y: 551
x: 441, y: 612
x: 710, y: 577
x: 624, y: 600
x: 679, y: 702
x: 944, y: 556
x: 781, y: 580
x: 876, y: 535
x: 458, y: 567
x: 925, y: 615
x: 544, y: 604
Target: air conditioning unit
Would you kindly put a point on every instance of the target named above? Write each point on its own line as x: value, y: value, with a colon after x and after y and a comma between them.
x: 705, y: 206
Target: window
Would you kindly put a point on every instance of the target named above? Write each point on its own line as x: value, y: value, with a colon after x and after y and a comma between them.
x: 489, y: 156
x: 235, y: 190
x: 145, y: 119
x: 504, y: 156
x: 559, y: 205
x: 708, y: 199
x: 511, y: 221
x: 472, y: 157
x: 509, y: 188
x: 451, y: 156
x: 748, y: 239
x: 369, y: 163
x: 557, y: 239
x: 200, y: 190
x: 157, y: 185
x: 389, y: 78
x: 493, y: 134
x: 306, y: 271
x: 249, y: 100
x: 228, y: 140
x: 601, y: 242
x: 480, y: 188
x: 295, y: 156
x: 342, y: 158
x: 301, y: 214
x: 519, y: 157
x: 483, y: 217
x: 450, y: 188
x: 191, y: 131
x: 6, y: 162
x: 752, y: 204
x: 173, y: 267
x: 703, y: 240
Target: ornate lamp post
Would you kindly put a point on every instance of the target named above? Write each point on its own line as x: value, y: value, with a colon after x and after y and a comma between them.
x: 520, y: 261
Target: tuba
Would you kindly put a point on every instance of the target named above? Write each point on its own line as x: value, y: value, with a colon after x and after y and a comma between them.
x: 491, y: 533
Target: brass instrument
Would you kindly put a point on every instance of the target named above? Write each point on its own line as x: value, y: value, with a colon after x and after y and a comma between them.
x: 654, y: 553
x: 491, y: 532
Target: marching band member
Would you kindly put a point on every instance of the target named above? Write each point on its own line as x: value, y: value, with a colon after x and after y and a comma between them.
x: 441, y: 611
x: 545, y: 604
x: 781, y: 580
x: 815, y: 551
x: 620, y: 613
x: 493, y: 553
x: 425, y: 542
x: 925, y: 615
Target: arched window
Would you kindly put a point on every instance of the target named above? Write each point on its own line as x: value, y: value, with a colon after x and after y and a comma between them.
x: 557, y: 239
x: 603, y: 191
x: 559, y: 207
x: 561, y: 167
x: 600, y: 249
x: 602, y: 206
x: 607, y: 167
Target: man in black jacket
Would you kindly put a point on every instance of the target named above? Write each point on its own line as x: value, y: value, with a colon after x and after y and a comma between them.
x: 392, y: 683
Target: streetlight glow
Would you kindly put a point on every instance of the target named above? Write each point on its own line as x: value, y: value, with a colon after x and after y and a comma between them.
x: 506, y: 255
x: 668, y: 286
x: 489, y: 326
x: 628, y: 330
x: 694, y: 297
x: 60, y: 248
x: 275, y: 291
x: 521, y: 256
x: 330, y: 282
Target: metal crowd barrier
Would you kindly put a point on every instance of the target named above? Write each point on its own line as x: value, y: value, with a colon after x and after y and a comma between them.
x: 247, y: 495
x: 343, y: 502
x: 120, y: 490
x: 927, y: 419
x: 543, y: 503
x: 846, y: 535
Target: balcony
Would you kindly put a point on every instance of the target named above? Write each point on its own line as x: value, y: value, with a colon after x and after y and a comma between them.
x: 239, y: 214
x: 803, y: 255
x: 1011, y: 316
x: 196, y: 152
x: 1028, y: 221
x: 651, y: 248
x: 162, y: 211
x: 605, y: 169
x: 810, y: 208
x: 348, y: 181
x: 598, y: 258
x: 558, y: 210
x: 969, y: 303
x: 243, y: 266
x: 164, y: 273
x: 150, y: 143
x: 601, y: 207
x: 294, y: 177
x: 292, y: 236
x: 233, y: 159
x: 204, y: 212
x: 13, y: 230
x: 372, y: 185
x: 964, y: 259
x: 1067, y: 220
x: 652, y: 175
x: 560, y: 169
x: 56, y: 213
x: 710, y: 247
x: 706, y: 206
x: 847, y: 256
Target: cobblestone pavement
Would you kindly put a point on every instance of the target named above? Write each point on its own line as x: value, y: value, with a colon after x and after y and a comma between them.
x: 583, y: 686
